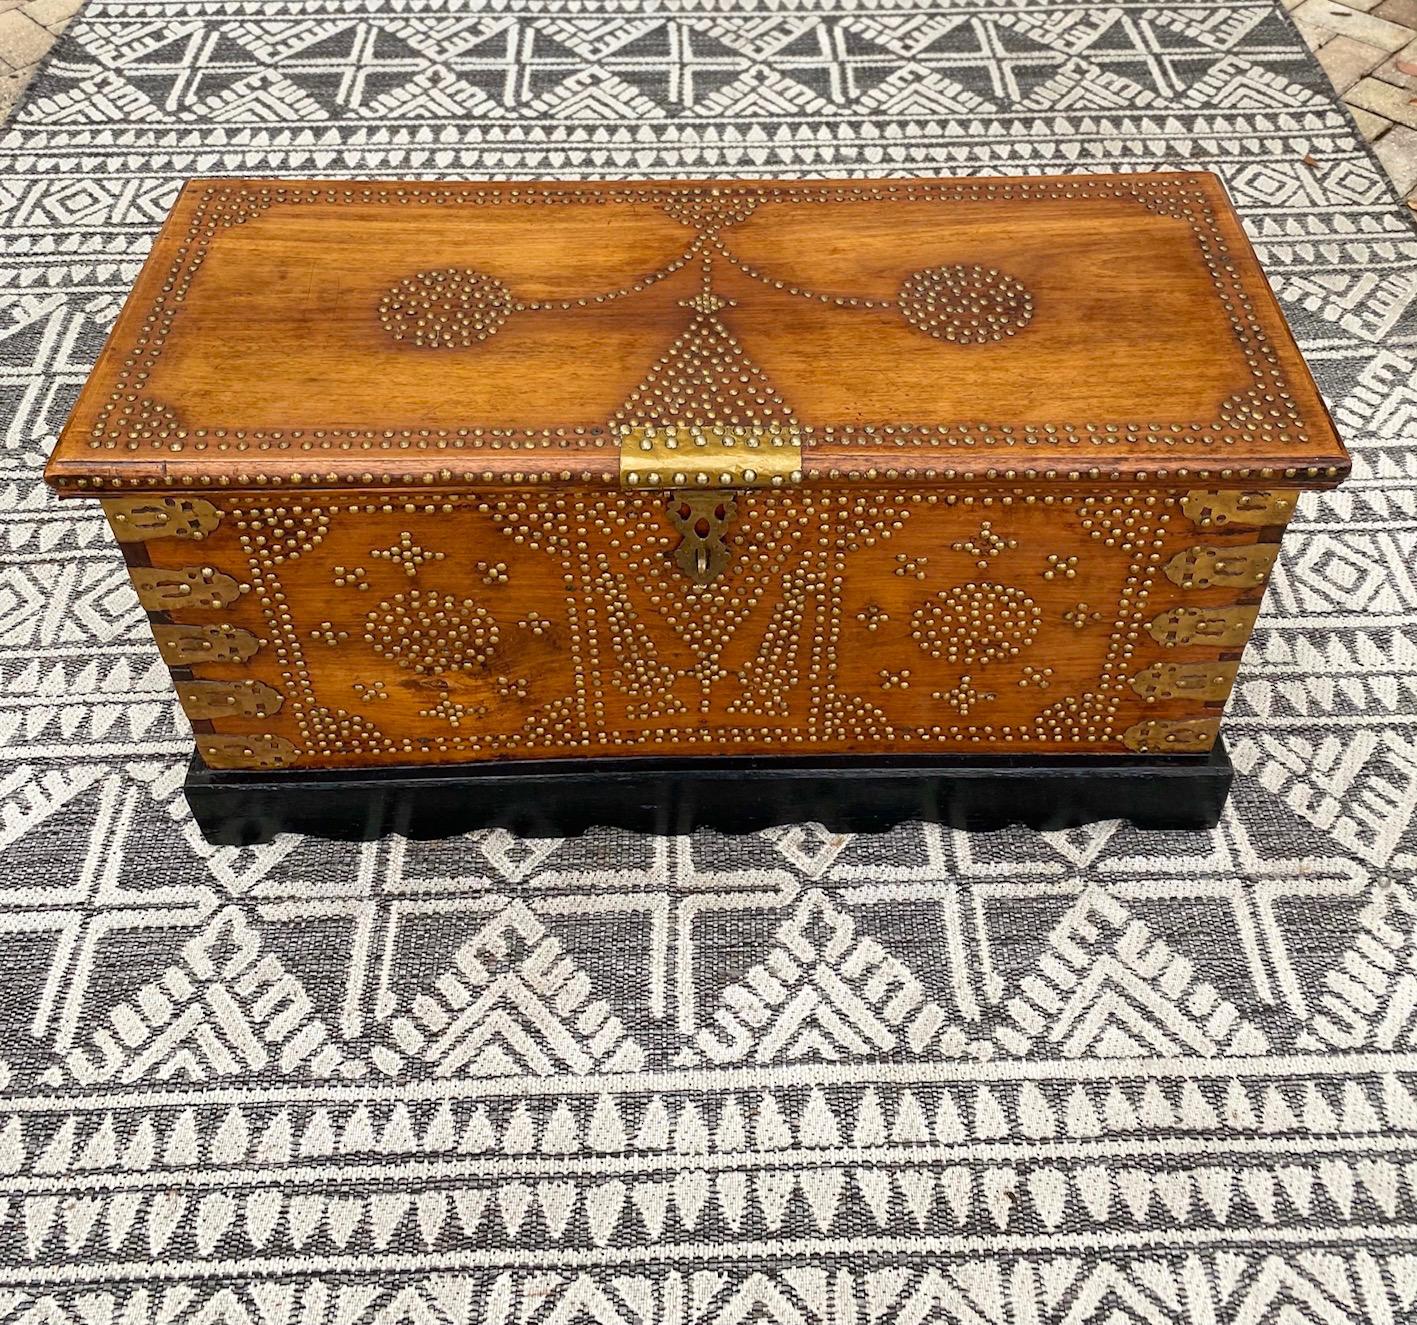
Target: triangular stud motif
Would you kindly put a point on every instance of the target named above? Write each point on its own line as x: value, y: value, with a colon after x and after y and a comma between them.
x: 511, y: 1004
x: 705, y: 380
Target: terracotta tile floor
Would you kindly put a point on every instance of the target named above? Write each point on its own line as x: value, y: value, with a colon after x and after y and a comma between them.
x: 1368, y: 48
x: 27, y: 31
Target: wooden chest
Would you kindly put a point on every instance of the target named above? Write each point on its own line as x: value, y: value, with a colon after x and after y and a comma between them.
x: 429, y: 473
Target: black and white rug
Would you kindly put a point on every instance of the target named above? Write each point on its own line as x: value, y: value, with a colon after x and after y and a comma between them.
x: 1012, y: 1079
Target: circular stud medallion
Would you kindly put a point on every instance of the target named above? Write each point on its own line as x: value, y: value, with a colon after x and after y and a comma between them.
x: 966, y: 305
x: 450, y: 308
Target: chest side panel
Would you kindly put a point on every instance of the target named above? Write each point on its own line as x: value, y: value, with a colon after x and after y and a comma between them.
x: 365, y: 631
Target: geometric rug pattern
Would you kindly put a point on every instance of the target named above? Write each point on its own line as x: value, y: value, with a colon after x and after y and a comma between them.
x: 793, y: 1077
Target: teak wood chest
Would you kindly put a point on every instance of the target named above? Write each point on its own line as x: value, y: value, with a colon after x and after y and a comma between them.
x: 436, y: 473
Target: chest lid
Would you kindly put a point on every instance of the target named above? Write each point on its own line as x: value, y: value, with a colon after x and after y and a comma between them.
x: 1033, y: 330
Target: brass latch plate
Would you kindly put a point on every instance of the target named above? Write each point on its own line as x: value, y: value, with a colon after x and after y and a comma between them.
x: 719, y: 456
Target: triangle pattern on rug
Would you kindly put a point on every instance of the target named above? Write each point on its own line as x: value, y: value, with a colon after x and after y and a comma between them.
x: 226, y: 1009
x: 1107, y: 987
x: 512, y: 1004
x: 1369, y: 995
x: 825, y: 993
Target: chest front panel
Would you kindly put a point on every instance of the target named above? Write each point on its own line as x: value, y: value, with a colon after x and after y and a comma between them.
x: 355, y: 629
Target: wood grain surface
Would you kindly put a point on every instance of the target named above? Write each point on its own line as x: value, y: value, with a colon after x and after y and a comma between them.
x: 420, y: 473
x: 1083, y: 329
x: 363, y: 631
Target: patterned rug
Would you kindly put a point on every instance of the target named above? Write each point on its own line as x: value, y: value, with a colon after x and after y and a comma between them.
x: 1022, y: 1079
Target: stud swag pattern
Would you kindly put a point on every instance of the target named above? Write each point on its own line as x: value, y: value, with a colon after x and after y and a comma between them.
x: 1017, y: 1078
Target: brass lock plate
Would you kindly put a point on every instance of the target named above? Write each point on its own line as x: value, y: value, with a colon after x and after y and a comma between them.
x: 703, y: 520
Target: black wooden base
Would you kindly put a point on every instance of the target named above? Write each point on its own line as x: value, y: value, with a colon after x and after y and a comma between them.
x: 562, y: 798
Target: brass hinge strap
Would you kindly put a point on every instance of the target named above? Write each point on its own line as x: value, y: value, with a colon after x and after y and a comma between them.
x: 138, y: 519
x: 1214, y: 627
x: 1202, y: 682
x: 1178, y: 736
x: 1243, y: 567
x: 162, y: 590
x: 229, y: 699
x: 184, y: 646
x: 260, y: 750
x: 1239, y: 507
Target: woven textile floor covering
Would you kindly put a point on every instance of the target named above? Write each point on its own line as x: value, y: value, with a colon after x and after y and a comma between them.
x: 1099, y: 1076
